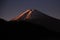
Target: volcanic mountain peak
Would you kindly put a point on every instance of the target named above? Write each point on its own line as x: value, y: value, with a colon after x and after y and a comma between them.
x: 26, y: 15
x: 21, y: 14
x: 32, y: 14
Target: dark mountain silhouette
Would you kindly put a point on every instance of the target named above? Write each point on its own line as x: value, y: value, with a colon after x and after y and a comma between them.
x: 32, y: 20
x: 23, y: 25
x: 39, y: 18
x: 29, y: 21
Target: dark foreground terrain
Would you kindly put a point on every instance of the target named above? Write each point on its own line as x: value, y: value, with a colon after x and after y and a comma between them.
x: 21, y: 26
x: 12, y: 31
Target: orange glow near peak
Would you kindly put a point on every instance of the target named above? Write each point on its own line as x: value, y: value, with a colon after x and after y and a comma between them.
x: 21, y: 14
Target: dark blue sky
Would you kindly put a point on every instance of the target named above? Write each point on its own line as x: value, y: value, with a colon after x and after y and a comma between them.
x: 12, y: 8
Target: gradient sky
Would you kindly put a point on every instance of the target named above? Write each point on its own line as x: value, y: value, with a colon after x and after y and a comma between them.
x: 12, y: 8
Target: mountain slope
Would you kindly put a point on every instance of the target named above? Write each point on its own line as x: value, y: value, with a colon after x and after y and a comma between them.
x: 37, y: 17
x: 22, y: 15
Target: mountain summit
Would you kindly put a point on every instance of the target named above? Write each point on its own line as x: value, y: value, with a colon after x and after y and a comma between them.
x: 24, y: 15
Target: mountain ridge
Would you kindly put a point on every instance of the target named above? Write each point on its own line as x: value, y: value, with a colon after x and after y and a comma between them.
x: 37, y: 17
x: 27, y: 12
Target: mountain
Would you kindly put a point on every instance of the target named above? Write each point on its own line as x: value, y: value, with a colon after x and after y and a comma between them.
x: 17, y: 25
x: 33, y: 19
x: 29, y: 21
x: 39, y: 18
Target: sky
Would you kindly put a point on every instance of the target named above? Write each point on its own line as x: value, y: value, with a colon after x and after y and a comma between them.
x: 11, y: 8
